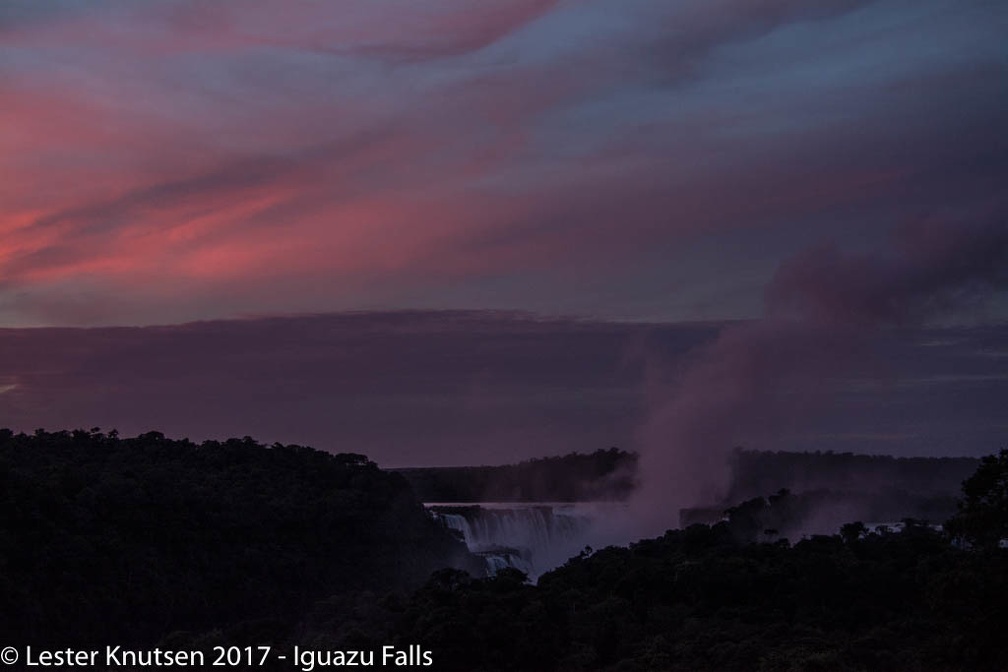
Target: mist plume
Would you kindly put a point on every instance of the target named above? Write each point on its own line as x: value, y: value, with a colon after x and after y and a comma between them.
x: 823, y: 309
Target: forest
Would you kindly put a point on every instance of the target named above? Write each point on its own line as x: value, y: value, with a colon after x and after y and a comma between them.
x: 129, y: 540
x: 827, y: 489
x: 728, y: 597
x: 756, y: 473
x: 152, y: 541
x: 698, y: 599
x: 608, y: 475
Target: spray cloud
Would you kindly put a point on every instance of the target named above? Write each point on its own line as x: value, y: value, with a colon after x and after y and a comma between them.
x: 822, y: 311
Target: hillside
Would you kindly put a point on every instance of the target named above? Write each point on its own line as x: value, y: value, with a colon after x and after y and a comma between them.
x: 108, y: 539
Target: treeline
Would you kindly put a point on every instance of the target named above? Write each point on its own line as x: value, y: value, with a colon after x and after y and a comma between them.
x: 874, y: 485
x: 755, y: 473
x: 827, y: 489
x: 698, y: 600
x: 706, y: 598
x: 605, y: 475
x: 105, y: 539
x: 824, y: 511
x: 149, y: 541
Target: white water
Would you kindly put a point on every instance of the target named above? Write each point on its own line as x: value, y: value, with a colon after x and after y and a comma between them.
x: 532, y: 537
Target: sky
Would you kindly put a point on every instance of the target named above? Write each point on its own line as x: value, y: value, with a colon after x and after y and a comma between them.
x: 164, y: 161
x: 457, y: 388
x: 529, y: 226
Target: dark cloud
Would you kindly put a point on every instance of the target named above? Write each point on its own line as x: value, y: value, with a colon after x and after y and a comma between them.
x: 931, y: 267
x: 412, y: 388
x: 418, y: 388
x: 692, y: 30
x: 21, y: 13
x: 458, y: 36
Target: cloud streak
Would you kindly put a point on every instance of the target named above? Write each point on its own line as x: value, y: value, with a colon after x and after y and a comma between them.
x: 302, y: 156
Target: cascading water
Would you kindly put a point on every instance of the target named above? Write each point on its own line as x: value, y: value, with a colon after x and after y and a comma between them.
x: 533, y: 538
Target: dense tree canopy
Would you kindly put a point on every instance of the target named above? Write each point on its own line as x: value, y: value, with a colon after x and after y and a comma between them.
x: 697, y: 599
x: 104, y: 538
x: 983, y: 511
x: 149, y: 540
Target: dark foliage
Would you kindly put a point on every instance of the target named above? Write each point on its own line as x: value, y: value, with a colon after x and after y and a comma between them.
x: 603, y: 475
x: 150, y: 540
x: 107, y: 539
x: 786, y: 514
x: 982, y: 519
x: 707, y: 598
x: 697, y: 599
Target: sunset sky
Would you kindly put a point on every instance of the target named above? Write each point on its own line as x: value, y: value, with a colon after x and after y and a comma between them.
x: 605, y: 165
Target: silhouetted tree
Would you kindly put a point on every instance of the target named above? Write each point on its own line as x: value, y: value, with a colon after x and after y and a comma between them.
x: 983, y: 511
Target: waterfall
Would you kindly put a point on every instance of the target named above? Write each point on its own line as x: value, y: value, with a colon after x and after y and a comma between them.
x: 533, y: 538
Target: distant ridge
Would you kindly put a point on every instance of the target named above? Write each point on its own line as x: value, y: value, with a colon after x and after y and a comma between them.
x: 826, y: 489
x: 756, y: 473
x: 605, y: 475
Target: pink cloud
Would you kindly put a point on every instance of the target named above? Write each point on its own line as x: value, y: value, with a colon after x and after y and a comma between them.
x: 388, y: 156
